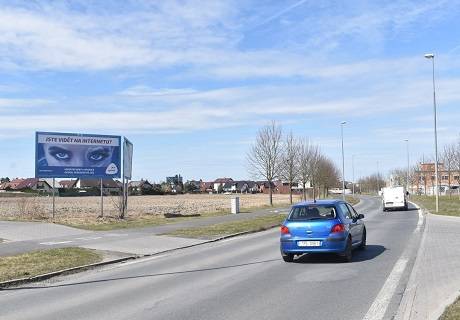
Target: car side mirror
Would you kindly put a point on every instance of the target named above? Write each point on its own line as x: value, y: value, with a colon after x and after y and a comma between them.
x: 360, y: 216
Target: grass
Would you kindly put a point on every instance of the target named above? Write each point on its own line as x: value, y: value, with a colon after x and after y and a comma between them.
x: 223, y: 229
x: 452, y: 312
x: 447, y: 206
x: 44, y: 261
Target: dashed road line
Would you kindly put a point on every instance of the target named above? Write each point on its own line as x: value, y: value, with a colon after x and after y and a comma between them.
x: 53, y: 243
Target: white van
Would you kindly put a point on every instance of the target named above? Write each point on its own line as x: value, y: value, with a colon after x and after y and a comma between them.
x: 394, y: 198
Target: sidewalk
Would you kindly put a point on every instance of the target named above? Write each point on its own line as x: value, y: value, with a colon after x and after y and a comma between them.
x: 435, y: 280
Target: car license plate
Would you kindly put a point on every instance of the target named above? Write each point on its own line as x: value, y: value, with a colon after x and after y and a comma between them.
x: 309, y: 243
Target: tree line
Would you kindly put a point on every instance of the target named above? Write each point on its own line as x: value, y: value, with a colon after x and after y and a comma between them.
x: 294, y: 160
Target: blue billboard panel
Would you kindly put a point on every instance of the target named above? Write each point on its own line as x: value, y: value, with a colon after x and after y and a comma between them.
x: 72, y: 155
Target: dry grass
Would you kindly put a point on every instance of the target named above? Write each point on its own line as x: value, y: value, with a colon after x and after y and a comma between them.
x: 228, y: 228
x: 83, y: 212
x: 452, y: 312
x: 44, y: 261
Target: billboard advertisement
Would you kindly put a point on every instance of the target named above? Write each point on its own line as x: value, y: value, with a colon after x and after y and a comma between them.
x: 127, y: 158
x: 72, y: 155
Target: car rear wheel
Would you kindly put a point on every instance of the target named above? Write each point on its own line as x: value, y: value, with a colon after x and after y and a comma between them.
x: 287, y: 257
x: 347, y: 253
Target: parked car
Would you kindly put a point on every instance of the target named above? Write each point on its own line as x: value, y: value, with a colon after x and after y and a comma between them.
x: 322, y: 226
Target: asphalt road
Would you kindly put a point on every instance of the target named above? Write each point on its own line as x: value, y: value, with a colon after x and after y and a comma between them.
x: 239, y: 278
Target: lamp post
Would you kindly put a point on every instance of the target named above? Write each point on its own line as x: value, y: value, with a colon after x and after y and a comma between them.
x: 431, y: 56
x: 343, y: 161
x: 407, y: 174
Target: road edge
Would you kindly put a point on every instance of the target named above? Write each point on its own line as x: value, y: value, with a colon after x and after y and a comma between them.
x: 405, y: 308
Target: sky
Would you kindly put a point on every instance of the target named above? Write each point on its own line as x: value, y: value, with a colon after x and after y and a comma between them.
x: 191, y: 82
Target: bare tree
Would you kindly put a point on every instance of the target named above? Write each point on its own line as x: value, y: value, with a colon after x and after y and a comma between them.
x: 289, y: 169
x: 314, y: 167
x: 329, y: 175
x: 265, y: 155
x: 303, y: 164
x: 448, y: 157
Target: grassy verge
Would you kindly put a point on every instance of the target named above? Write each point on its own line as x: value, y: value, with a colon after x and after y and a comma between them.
x: 45, y: 261
x: 452, y: 312
x: 447, y: 206
x: 224, y: 229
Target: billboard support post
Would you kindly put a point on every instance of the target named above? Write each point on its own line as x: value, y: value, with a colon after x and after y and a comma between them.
x: 127, y: 173
x: 102, y: 201
x: 54, y: 205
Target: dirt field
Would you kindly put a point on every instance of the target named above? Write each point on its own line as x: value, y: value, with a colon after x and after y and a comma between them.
x: 70, y: 208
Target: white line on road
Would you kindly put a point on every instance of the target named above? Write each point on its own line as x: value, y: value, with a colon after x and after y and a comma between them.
x: 420, y: 221
x: 380, y: 305
x: 52, y: 243
x: 88, y: 238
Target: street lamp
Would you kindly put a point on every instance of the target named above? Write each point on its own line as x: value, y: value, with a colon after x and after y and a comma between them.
x: 431, y: 56
x: 343, y: 161
x: 407, y: 176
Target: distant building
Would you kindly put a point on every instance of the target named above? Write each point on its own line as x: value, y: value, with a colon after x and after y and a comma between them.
x: 424, y: 179
x: 109, y: 186
x: 177, y: 180
x: 219, y: 184
x: 139, y: 187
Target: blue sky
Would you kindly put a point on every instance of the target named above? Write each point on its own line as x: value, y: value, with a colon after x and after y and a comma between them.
x: 190, y: 82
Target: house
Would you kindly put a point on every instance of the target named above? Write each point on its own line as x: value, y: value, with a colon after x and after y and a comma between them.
x: 219, y: 184
x: 139, y: 187
x: 109, y: 186
x: 67, y: 184
x: 33, y: 184
x: 206, y: 187
x: 12, y: 185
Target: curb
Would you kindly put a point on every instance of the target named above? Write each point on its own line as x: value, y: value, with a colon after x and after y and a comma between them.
x: 16, y: 282
x: 405, y: 308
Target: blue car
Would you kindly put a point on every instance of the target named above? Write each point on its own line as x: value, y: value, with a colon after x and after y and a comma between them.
x: 322, y: 226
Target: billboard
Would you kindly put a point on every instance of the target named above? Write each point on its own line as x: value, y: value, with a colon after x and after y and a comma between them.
x: 72, y: 155
x: 127, y: 158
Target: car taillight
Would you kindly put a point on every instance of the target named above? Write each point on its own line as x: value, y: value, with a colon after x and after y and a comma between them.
x: 338, y: 228
x: 284, y: 230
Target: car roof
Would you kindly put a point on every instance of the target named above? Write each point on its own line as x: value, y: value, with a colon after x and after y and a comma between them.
x: 323, y: 202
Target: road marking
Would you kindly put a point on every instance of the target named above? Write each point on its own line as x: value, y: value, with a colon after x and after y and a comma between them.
x: 380, y: 305
x: 420, y: 221
x: 88, y: 238
x: 52, y: 243
x: 116, y: 234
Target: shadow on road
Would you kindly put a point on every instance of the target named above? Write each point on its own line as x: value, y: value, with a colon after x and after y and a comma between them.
x: 143, y: 276
x: 371, y: 252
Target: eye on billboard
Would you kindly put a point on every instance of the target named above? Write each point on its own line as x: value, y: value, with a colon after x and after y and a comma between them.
x: 73, y: 155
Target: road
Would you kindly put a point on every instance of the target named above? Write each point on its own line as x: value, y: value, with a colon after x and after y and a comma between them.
x: 239, y: 278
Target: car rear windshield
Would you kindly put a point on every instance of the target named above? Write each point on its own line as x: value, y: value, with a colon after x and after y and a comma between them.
x: 312, y: 212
